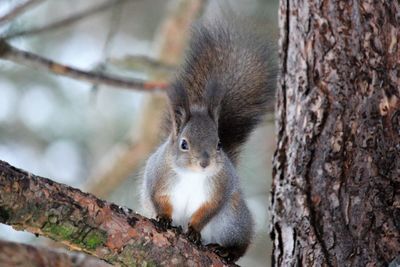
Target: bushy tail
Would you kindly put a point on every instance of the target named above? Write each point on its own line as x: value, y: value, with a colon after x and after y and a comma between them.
x: 235, y: 70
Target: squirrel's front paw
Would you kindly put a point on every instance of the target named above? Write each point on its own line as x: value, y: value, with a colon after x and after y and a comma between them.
x: 194, y: 235
x: 164, y: 222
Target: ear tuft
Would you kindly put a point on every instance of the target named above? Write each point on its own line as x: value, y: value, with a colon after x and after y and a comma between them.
x: 213, y: 97
x: 179, y: 107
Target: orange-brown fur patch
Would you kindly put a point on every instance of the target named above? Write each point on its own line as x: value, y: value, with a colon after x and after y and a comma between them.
x: 206, y: 211
x: 202, y: 215
x: 164, y: 205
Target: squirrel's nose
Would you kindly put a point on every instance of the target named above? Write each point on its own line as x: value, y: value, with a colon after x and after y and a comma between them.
x: 205, y: 160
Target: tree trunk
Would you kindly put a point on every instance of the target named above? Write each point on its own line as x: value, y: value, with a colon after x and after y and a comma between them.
x: 336, y: 187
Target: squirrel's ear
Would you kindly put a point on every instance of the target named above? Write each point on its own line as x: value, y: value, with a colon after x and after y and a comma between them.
x: 179, y: 108
x: 214, y: 96
x: 178, y: 119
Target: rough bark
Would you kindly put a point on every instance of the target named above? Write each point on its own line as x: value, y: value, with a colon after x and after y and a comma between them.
x: 21, y: 255
x: 336, y: 187
x: 85, y: 223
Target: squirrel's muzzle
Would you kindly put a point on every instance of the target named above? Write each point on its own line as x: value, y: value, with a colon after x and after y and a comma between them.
x: 204, y: 160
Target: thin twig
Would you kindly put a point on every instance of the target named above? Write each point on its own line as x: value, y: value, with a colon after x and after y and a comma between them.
x: 16, y: 11
x: 114, y: 25
x: 65, y: 21
x: 115, y: 21
x: 38, y: 62
x: 144, y: 63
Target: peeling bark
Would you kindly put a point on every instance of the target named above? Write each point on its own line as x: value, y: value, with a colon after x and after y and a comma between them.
x: 336, y: 185
x: 85, y: 223
x: 21, y: 255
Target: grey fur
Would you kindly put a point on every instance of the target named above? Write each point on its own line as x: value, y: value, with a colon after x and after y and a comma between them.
x: 231, y: 227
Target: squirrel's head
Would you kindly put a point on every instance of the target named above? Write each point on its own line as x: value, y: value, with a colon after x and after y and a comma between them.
x: 197, y: 146
x: 195, y: 141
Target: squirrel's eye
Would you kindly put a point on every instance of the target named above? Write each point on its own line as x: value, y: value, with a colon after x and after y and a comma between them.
x: 219, y: 146
x: 184, y: 145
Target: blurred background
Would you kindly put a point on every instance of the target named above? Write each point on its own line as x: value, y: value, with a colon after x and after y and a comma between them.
x: 97, y: 137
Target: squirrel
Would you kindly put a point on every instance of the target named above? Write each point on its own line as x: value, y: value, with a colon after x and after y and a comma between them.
x: 218, y: 98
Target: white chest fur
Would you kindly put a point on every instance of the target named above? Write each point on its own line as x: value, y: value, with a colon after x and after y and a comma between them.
x: 189, y: 192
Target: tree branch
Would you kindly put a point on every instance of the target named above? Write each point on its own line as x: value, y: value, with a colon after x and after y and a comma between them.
x: 15, y: 55
x: 16, y: 11
x: 154, y: 68
x: 85, y: 223
x: 65, y: 21
x: 22, y: 255
x: 115, y: 21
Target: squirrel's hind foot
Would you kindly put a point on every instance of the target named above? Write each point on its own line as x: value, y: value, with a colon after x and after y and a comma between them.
x: 229, y: 254
x: 164, y: 222
x: 194, y: 235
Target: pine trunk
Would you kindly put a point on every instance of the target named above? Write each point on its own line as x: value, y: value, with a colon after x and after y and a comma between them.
x: 336, y: 180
